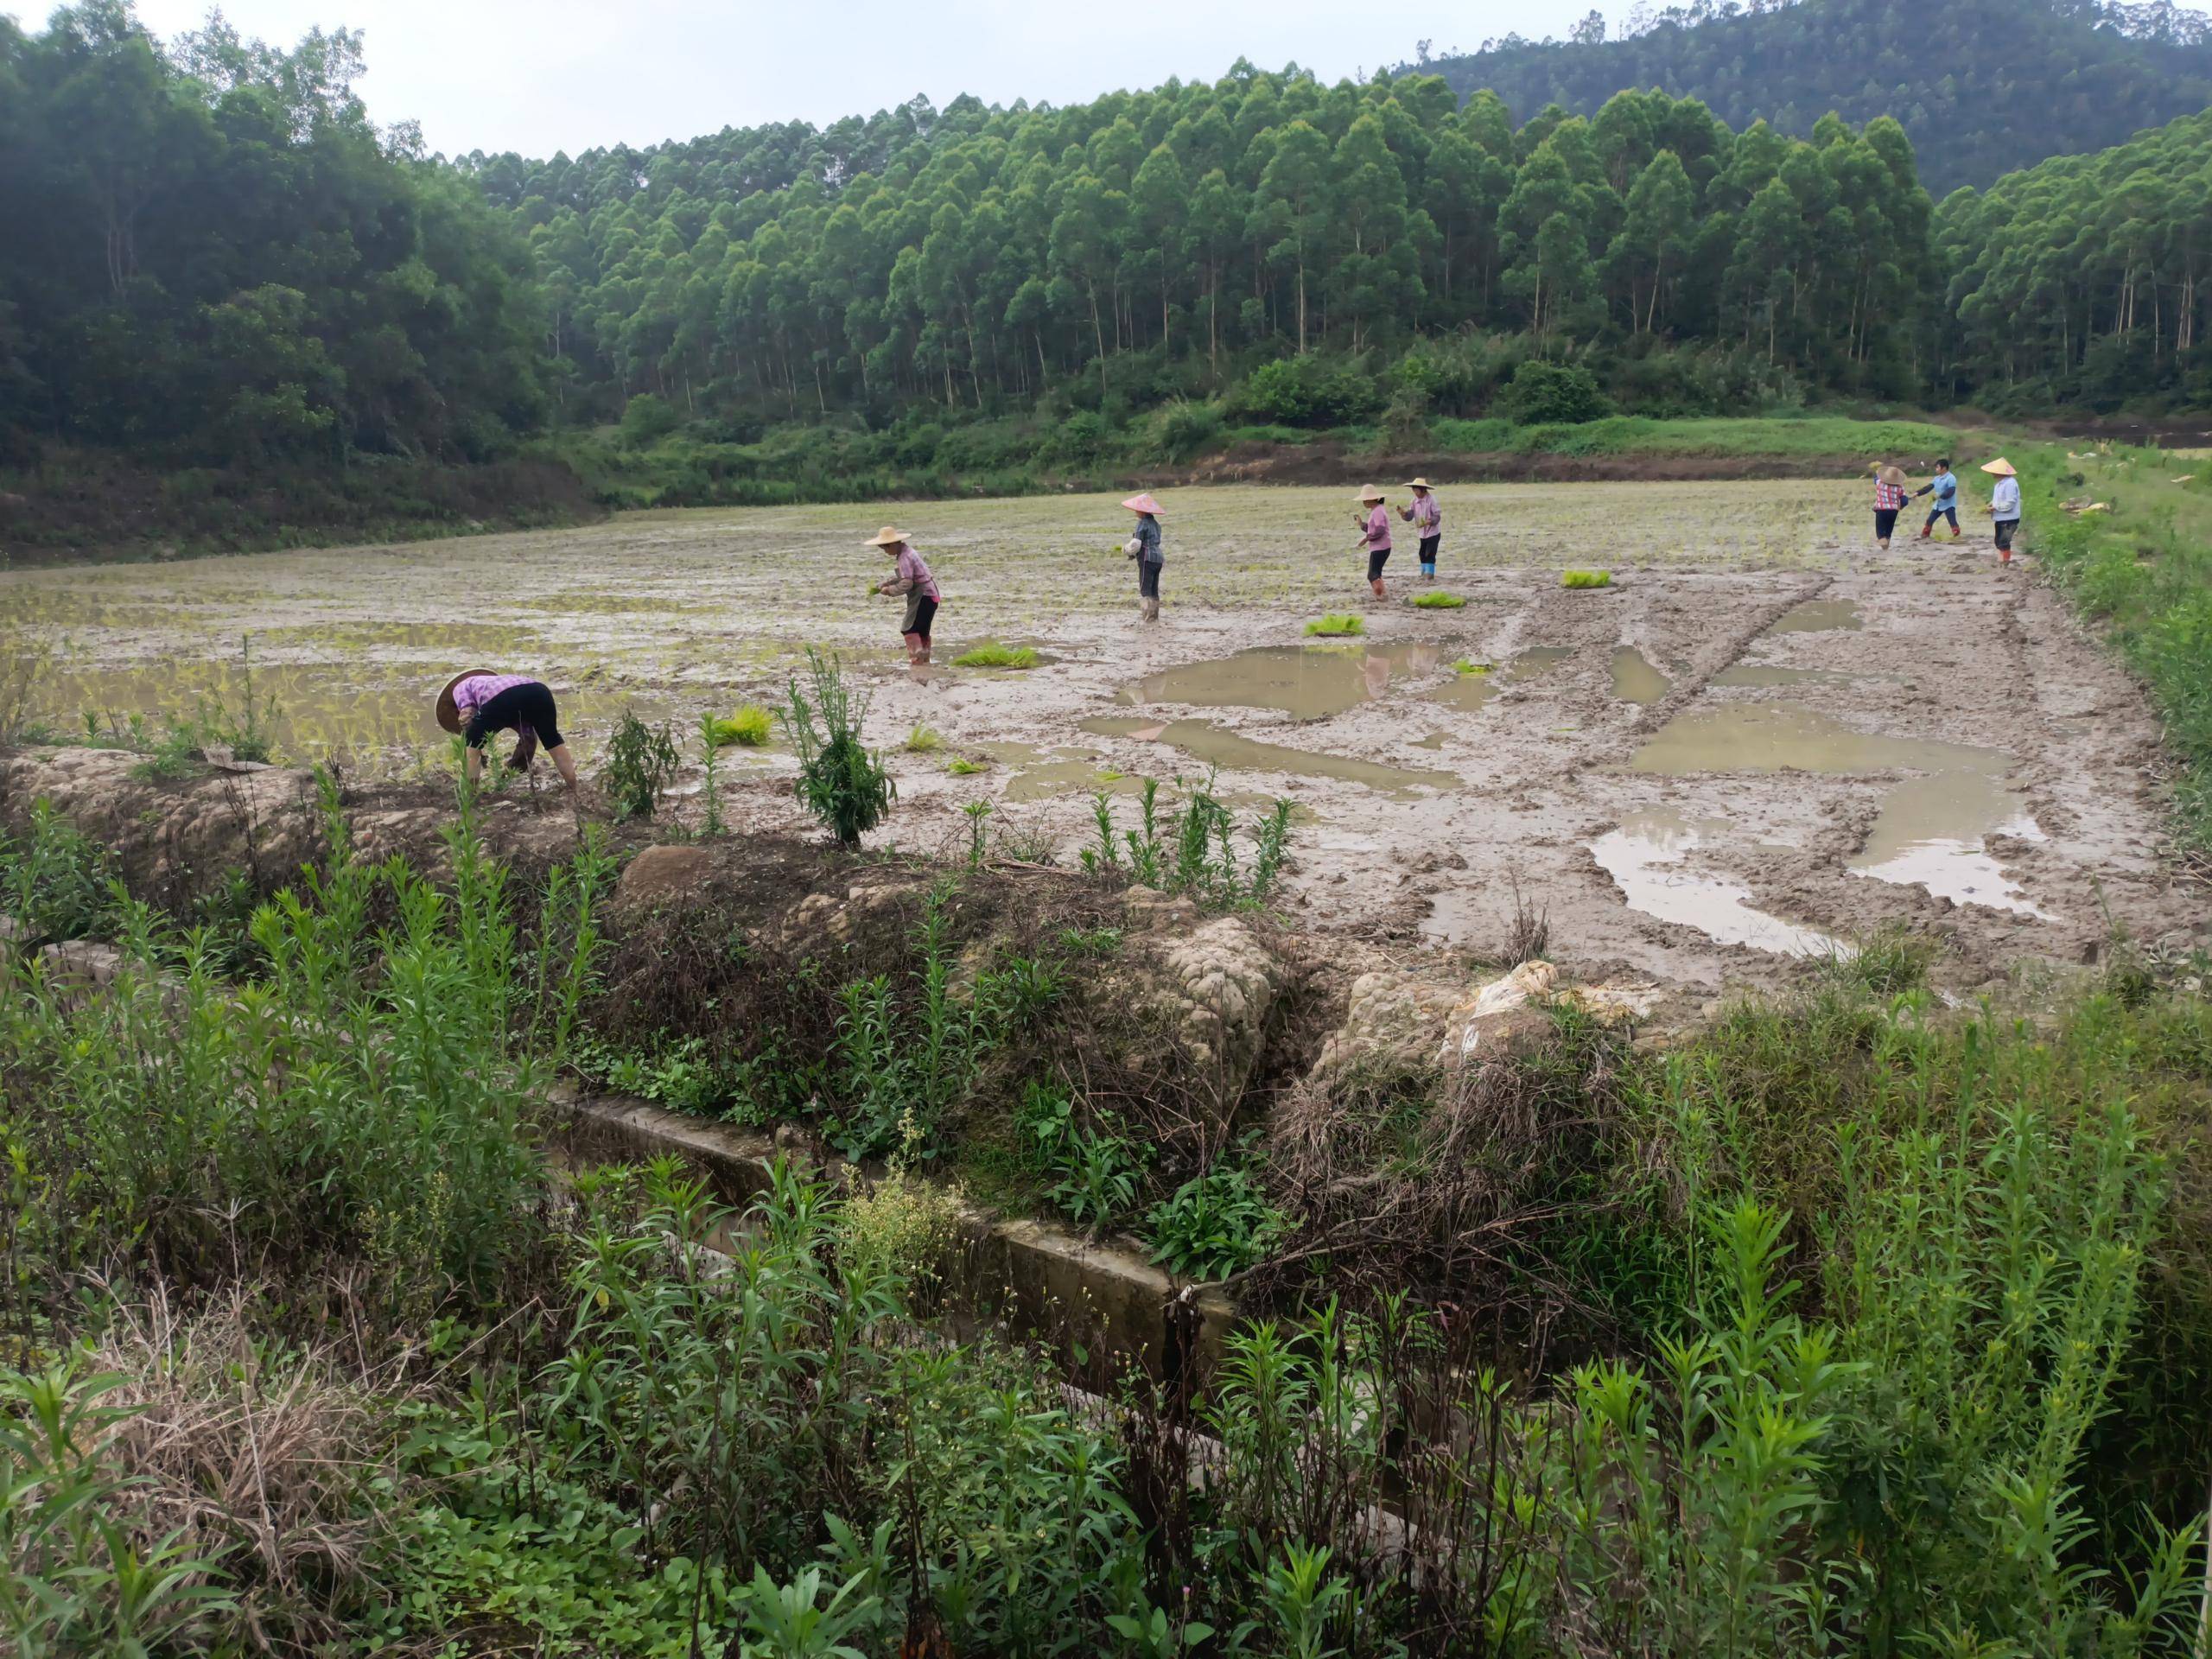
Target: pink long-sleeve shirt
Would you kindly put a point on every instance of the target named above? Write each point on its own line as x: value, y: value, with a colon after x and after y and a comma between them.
x: 1378, y: 529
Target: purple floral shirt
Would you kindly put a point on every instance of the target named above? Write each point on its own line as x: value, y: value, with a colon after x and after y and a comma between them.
x: 478, y: 690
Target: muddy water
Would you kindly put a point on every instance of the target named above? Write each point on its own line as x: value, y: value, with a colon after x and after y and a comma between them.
x: 1307, y: 681
x: 1212, y: 746
x: 1932, y: 829
x: 1635, y: 680
x: 1470, y: 691
x: 1644, y: 855
x: 1821, y: 616
x: 1770, y: 674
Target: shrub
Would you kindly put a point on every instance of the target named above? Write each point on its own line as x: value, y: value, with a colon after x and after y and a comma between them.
x: 1308, y: 391
x: 1586, y: 579
x: 1564, y: 393
x: 996, y: 655
x: 1439, y: 601
x: 1335, y: 624
x: 57, y: 881
x: 840, y: 781
x: 1182, y: 429
x: 646, y: 419
x: 642, y: 762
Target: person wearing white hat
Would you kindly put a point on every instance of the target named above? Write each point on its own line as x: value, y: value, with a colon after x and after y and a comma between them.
x: 1427, y: 519
x: 1374, y: 520
x: 911, y: 578
x: 1143, y: 546
x: 2004, y: 506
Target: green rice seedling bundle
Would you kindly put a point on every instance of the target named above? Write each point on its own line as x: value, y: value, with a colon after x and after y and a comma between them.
x: 1469, y: 666
x: 1587, y: 579
x: 1336, y: 623
x: 996, y: 655
x: 923, y: 739
x: 748, y: 728
x: 961, y: 766
x: 1439, y: 601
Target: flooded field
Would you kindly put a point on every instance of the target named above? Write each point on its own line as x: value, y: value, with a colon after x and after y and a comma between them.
x: 1764, y: 740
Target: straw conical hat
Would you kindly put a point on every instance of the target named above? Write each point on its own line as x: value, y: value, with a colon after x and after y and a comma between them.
x: 449, y: 710
x: 887, y: 536
x: 1418, y: 483
x: 2001, y: 467
x: 1370, y: 493
x: 1143, y: 504
x: 1891, y: 476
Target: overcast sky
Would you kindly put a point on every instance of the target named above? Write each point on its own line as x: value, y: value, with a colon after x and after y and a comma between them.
x: 541, y: 75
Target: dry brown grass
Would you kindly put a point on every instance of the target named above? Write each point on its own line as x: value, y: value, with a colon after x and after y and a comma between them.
x: 282, y: 1463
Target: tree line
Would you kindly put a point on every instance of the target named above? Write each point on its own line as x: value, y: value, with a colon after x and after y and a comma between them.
x: 214, y: 254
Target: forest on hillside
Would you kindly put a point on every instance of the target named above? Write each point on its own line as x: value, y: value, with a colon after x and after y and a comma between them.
x: 1982, y: 88
x: 216, y: 257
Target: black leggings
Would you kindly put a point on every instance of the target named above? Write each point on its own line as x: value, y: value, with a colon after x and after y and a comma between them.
x: 1886, y: 520
x: 2006, y: 528
x: 1377, y: 558
x: 1428, y: 549
x: 1148, y: 578
x: 526, y: 707
x: 921, y: 612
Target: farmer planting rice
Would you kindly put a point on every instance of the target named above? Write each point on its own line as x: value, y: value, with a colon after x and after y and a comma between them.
x: 1143, y: 546
x: 1888, y: 501
x: 1945, y: 488
x: 2004, y: 506
x: 1426, y: 518
x: 476, y: 704
x: 1374, y: 519
x: 911, y: 578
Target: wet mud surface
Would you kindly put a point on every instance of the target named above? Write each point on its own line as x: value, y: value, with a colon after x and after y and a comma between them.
x: 1765, y: 739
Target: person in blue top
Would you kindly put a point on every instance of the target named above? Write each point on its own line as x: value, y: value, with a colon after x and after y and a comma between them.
x: 1946, y: 504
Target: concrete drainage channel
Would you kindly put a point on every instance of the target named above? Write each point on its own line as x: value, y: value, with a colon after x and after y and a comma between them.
x: 1102, y: 1309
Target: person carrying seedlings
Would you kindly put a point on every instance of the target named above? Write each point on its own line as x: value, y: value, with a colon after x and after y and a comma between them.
x: 1427, y: 519
x: 477, y: 703
x: 2004, y: 506
x: 1144, y: 547
x: 911, y: 577
x: 1374, y: 519
x: 1888, y: 501
x: 1945, y: 488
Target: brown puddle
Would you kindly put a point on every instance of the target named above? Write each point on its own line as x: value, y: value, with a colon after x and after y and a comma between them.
x: 1212, y: 746
x: 1635, y: 680
x: 1820, y: 616
x: 1307, y: 681
x: 1769, y: 674
x: 1932, y: 828
x: 1470, y: 691
x: 1643, y: 855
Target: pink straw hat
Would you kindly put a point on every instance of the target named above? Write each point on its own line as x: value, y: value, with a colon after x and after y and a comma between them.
x: 1142, y: 504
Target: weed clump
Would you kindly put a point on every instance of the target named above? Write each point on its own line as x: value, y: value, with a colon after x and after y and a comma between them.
x: 996, y: 655
x: 641, y: 763
x: 1439, y: 601
x: 1586, y: 579
x: 748, y: 728
x: 840, y: 781
x: 1335, y: 624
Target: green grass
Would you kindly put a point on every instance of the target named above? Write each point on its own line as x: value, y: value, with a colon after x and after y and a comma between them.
x: 1586, y: 579
x: 1439, y: 601
x: 748, y: 728
x: 996, y: 655
x: 1806, y: 437
x: 1337, y: 623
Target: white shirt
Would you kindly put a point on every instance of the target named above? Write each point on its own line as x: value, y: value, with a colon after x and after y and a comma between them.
x: 2005, y: 499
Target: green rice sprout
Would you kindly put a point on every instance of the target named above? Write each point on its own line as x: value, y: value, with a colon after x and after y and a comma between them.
x: 748, y: 728
x: 961, y: 766
x: 996, y: 655
x: 1586, y: 579
x: 1469, y: 666
x: 923, y: 739
x: 1439, y: 601
x: 1337, y: 622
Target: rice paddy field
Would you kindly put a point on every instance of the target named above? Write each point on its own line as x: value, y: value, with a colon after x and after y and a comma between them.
x: 1760, y: 741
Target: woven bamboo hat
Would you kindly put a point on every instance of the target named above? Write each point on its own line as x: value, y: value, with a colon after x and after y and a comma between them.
x: 1892, y: 476
x: 1418, y: 483
x: 1143, y: 504
x: 2001, y: 467
x: 1370, y: 493
x: 887, y: 536
x: 449, y: 710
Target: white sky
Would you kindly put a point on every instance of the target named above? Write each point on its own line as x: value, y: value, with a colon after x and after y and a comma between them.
x: 541, y: 75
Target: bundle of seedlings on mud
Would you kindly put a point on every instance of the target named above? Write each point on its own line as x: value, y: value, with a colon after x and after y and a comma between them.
x: 1468, y: 665
x: 1194, y: 851
x: 962, y: 766
x: 1335, y: 624
x: 923, y: 739
x: 748, y: 727
x: 991, y: 654
x: 642, y: 762
x: 840, y: 780
x: 1439, y: 601
x: 1586, y: 579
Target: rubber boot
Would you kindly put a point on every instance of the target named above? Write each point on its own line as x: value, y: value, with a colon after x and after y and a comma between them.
x: 1429, y: 572
x: 1927, y: 530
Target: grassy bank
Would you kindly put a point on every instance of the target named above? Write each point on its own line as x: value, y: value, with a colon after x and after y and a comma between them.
x: 84, y: 503
x: 704, y: 466
x: 2138, y: 563
x: 1910, y: 1329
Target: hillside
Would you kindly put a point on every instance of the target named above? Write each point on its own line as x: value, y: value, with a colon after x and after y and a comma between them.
x: 1981, y: 87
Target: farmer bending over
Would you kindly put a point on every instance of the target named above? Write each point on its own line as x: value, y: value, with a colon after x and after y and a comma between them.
x: 475, y: 704
x: 911, y: 577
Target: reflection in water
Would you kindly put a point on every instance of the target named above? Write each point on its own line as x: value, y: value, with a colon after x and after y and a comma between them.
x: 1643, y: 856
x: 1206, y: 742
x: 1635, y: 680
x: 1820, y: 616
x: 1309, y: 681
x: 1468, y: 692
